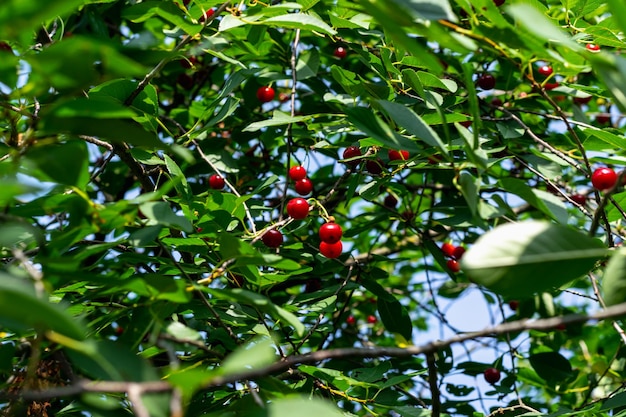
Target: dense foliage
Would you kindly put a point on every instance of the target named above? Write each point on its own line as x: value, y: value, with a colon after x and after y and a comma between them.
x: 162, y: 257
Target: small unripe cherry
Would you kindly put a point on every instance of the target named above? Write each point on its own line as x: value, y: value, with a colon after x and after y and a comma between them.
x: 304, y: 186
x: 216, y: 182
x: 297, y: 173
x: 331, y: 250
x: 272, y: 238
x: 298, y: 208
x: 330, y: 232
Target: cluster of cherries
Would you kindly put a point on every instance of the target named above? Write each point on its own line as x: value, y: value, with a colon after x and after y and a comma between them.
x: 298, y: 208
x: 455, y: 253
x: 373, y: 166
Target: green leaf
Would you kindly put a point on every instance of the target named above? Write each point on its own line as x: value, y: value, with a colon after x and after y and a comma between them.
x: 428, y: 9
x: 538, y: 24
x: 369, y: 123
x: 159, y: 212
x: 22, y: 17
x: 551, y: 366
x: 120, y: 90
x: 255, y: 354
x: 22, y: 309
x: 395, y: 317
x: 300, y: 21
x: 614, y: 279
x: 181, y: 184
x: 65, y: 163
x: 520, y: 259
x: 413, y: 123
x: 302, y: 407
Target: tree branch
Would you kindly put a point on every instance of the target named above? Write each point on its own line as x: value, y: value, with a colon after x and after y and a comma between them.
x: 322, y: 355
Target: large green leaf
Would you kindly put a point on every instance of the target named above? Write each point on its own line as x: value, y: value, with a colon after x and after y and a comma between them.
x: 614, y: 279
x: 302, y: 407
x: 21, y: 309
x: 551, y: 366
x: 66, y: 163
x: 395, y: 317
x: 253, y: 355
x: 520, y: 259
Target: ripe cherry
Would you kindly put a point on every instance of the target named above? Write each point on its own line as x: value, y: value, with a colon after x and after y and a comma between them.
x: 582, y: 100
x: 297, y: 173
x: 265, y: 94
x: 330, y: 232
x: 351, y: 320
x: 185, y: 81
x: 304, y: 186
x: 371, y: 319
x: 513, y: 305
x: 492, y: 375
x: 498, y: 3
x: 592, y: 47
x: 603, y: 178
x: 331, y: 250
x: 189, y: 62
x: 216, y: 182
x: 298, y: 208
x: 486, y: 82
x: 374, y: 166
x: 272, y: 238
x: 340, y: 52
x: 5, y: 47
x: 207, y: 15
x: 453, y: 265
x: 401, y: 155
x: 390, y: 201
x: 603, y: 118
x: 448, y: 249
x: 551, y: 86
x: 352, y: 152
x: 545, y: 70
x: 458, y: 252
x: 579, y: 199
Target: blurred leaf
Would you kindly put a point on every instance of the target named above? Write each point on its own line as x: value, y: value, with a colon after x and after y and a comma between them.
x: 300, y: 21
x: 395, y: 317
x: 518, y: 260
x: 21, y: 17
x: 22, y: 309
x: 302, y: 407
x: 551, y: 366
x: 614, y: 278
x: 256, y: 354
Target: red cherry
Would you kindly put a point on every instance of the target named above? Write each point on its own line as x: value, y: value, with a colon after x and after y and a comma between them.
x: 603, y: 118
x: 189, y: 62
x: 561, y: 327
x: 216, y: 182
x: 513, y: 304
x: 466, y: 123
x: 331, y: 250
x: 453, y: 265
x: 352, y: 152
x: 340, y: 52
x: 265, y: 94
x: 448, y: 249
x: 551, y: 86
x: 207, y: 15
x: 330, y: 232
x: 304, y: 186
x: 498, y: 3
x: 593, y: 47
x: 351, y: 321
x: 545, y: 70
x: 603, y: 178
x: 371, y: 319
x: 496, y: 102
x: 579, y: 199
x: 582, y: 100
x: 283, y: 97
x: 458, y: 252
x: 272, y: 238
x: 297, y: 173
x: 390, y: 201
x: 374, y: 166
x: 119, y: 330
x: 401, y: 155
x: 298, y: 208
x: 5, y: 47
x: 486, y: 82
x: 492, y: 375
